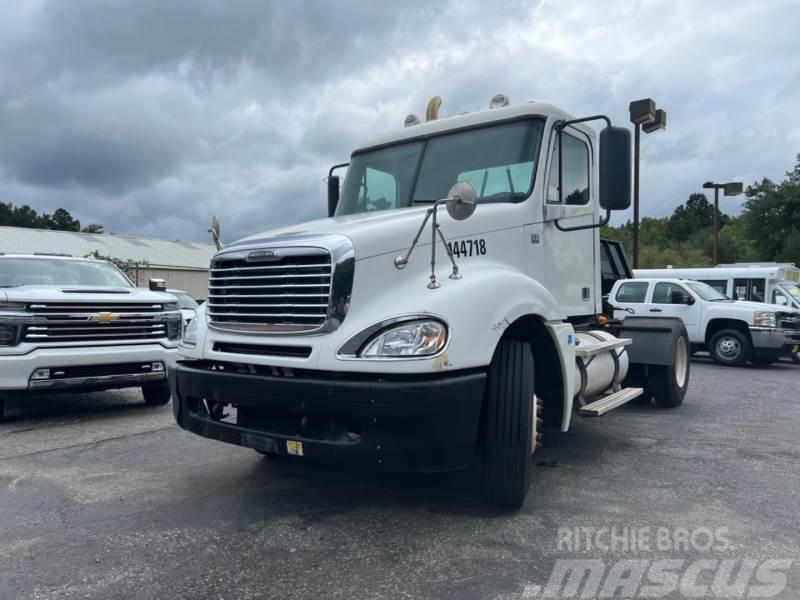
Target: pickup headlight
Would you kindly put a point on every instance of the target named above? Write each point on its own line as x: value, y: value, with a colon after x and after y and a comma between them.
x: 417, y: 338
x: 9, y: 334
x: 190, y: 336
x: 12, y: 306
x: 765, y: 319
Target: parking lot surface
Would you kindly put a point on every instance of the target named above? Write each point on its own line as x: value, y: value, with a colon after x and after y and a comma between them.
x: 103, y: 497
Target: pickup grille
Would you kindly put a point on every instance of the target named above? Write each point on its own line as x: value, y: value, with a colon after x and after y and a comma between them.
x: 93, y: 321
x: 788, y: 321
x: 288, y: 292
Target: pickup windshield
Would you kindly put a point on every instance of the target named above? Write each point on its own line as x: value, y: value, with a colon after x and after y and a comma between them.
x: 48, y: 271
x: 706, y: 292
x: 499, y: 160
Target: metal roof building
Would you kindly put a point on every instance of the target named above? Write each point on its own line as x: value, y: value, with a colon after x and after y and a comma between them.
x: 184, y: 265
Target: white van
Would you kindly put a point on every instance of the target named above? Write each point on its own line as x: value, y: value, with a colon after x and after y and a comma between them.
x: 773, y: 283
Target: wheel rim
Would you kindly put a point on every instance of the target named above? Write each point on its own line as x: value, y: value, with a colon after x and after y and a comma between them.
x: 729, y: 348
x: 681, y: 362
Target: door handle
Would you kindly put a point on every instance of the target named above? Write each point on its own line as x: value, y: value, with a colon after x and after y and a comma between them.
x: 655, y: 310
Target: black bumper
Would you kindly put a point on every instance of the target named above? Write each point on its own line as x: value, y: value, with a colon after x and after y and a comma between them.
x: 400, y: 423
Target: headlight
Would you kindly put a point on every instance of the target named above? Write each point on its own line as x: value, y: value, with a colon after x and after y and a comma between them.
x: 174, y: 329
x: 190, y: 337
x: 765, y: 319
x: 9, y: 334
x: 418, y: 338
x: 12, y: 306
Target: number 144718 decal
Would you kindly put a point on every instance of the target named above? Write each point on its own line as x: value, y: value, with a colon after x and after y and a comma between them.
x: 468, y: 247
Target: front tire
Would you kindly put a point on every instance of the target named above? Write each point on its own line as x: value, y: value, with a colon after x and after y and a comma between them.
x: 668, y: 383
x: 156, y: 394
x: 730, y: 347
x: 511, y: 424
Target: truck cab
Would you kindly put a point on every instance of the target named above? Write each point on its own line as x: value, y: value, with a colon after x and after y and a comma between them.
x: 733, y: 331
x: 71, y: 324
x: 446, y: 306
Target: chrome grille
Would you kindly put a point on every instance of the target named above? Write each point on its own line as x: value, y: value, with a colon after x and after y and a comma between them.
x: 291, y: 290
x: 788, y: 320
x: 94, y: 321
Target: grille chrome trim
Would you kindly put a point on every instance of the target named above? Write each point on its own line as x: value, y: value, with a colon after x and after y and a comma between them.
x: 59, y: 322
x: 294, y: 302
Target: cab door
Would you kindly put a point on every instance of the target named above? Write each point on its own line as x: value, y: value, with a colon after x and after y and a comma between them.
x: 670, y: 299
x: 569, y: 256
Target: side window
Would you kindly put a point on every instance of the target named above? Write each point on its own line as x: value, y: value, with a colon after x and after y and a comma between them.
x: 740, y: 289
x: 669, y: 293
x: 721, y: 285
x: 575, y: 172
x: 378, y: 190
x: 632, y: 291
x: 758, y: 289
x: 779, y: 298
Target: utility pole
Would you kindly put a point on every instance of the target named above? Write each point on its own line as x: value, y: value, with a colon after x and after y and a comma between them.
x: 643, y: 115
x: 732, y: 188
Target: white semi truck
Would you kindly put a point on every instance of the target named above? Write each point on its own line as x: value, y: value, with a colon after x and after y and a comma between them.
x: 396, y: 336
x: 71, y: 324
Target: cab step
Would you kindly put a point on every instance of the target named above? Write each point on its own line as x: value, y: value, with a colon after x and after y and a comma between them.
x: 610, y: 402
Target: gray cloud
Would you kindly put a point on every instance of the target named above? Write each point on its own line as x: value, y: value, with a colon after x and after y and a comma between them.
x: 150, y: 117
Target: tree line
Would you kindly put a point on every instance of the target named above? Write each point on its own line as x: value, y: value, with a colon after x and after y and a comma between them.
x: 60, y: 220
x: 768, y: 229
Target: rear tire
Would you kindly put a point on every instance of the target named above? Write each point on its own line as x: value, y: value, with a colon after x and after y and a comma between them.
x: 730, y: 347
x: 668, y: 383
x: 511, y: 424
x: 156, y: 394
x: 2, y: 410
x: 636, y: 378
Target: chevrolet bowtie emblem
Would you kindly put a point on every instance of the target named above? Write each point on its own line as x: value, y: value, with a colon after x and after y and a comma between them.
x: 104, y: 317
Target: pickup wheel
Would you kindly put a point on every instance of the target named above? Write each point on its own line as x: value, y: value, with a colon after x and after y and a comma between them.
x: 156, y: 394
x: 668, y: 383
x: 511, y: 425
x: 730, y: 347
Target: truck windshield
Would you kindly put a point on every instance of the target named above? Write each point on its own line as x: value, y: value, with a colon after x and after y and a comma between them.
x: 792, y: 290
x: 706, y: 292
x: 499, y: 160
x: 55, y: 271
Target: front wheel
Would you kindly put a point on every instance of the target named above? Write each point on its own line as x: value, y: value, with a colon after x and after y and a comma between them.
x: 730, y: 347
x: 156, y: 394
x: 511, y: 426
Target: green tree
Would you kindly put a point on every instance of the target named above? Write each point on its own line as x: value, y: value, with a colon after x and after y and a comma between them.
x: 93, y: 228
x: 127, y: 266
x: 772, y: 215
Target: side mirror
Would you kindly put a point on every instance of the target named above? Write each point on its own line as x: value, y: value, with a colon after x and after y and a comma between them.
x: 461, y: 200
x: 333, y: 194
x: 158, y: 285
x: 615, y: 168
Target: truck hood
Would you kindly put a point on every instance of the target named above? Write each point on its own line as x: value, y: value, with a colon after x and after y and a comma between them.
x: 763, y: 306
x: 378, y: 232
x: 77, y: 294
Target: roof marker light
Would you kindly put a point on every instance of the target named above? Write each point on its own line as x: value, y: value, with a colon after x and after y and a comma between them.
x: 411, y: 120
x: 499, y: 101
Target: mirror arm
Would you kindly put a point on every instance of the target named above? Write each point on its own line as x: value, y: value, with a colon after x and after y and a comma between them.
x: 563, y: 123
x: 581, y: 227
x: 339, y: 166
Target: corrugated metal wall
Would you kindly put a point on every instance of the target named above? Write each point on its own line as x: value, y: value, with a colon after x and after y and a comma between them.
x: 195, y: 282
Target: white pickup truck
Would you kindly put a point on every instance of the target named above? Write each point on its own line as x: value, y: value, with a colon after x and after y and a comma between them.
x: 732, y: 331
x: 78, y: 324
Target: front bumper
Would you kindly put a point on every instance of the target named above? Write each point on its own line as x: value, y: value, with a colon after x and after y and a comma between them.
x: 16, y: 369
x: 775, y: 341
x: 419, y: 423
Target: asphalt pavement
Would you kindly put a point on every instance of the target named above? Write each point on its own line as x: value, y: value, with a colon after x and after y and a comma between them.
x: 104, y: 497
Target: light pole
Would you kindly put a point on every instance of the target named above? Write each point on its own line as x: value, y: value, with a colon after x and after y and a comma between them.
x: 732, y: 188
x: 644, y: 115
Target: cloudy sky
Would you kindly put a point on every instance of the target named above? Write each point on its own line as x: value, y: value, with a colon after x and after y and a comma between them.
x: 150, y: 116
